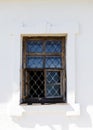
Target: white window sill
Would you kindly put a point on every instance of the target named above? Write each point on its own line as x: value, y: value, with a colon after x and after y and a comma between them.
x: 63, y: 109
x: 66, y: 109
x: 17, y: 110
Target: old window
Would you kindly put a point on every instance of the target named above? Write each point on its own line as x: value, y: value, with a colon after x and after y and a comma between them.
x: 43, y: 69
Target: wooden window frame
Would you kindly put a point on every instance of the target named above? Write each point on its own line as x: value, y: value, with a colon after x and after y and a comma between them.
x: 25, y: 99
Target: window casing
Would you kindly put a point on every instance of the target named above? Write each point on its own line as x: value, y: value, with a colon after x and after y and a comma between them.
x: 43, y: 69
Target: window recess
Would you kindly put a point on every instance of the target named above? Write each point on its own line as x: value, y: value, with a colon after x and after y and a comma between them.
x: 43, y: 70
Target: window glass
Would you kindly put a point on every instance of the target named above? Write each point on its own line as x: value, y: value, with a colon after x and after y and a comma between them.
x: 34, y: 46
x: 53, y: 62
x: 53, y: 91
x: 52, y: 77
x: 34, y: 62
x: 53, y: 83
x: 53, y: 46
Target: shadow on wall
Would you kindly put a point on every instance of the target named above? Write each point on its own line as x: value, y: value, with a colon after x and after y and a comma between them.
x: 53, y: 120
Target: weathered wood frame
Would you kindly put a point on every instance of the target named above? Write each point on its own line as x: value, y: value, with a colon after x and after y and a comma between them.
x: 24, y: 98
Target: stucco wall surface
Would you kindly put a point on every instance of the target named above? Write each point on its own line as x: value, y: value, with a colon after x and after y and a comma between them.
x: 41, y: 16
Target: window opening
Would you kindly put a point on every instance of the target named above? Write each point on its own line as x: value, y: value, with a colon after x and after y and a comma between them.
x: 43, y: 70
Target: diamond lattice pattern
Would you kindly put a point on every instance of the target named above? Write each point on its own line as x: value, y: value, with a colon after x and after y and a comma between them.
x: 52, y: 84
x: 34, y: 46
x: 36, y: 83
x: 52, y: 77
x: 34, y: 62
x: 53, y: 46
x: 53, y: 62
x: 53, y: 91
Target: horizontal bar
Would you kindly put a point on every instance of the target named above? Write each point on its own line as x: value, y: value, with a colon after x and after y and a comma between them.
x: 43, y: 100
x: 44, y: 54
x: 34, y: 36
x: 42, y: 69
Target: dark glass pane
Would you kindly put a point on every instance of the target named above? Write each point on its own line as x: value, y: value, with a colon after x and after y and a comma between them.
x: 34, y: 62
x: 36, y: 84
x: 54, y: 46
x: 53, y: 91
x: 34, y: 46
x: 53, y: 62
x: 52, y: 77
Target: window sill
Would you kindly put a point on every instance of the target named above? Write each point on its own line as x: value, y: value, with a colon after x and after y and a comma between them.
x: 59, y: 108
x: 37, y: 109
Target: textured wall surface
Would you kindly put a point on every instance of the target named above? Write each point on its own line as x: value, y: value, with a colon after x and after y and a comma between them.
x: 29, y: 16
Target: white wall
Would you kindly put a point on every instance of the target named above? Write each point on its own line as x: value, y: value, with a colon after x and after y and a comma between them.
x: 18, y: 17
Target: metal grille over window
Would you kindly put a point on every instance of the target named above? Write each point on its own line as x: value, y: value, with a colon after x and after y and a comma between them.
x: 36, y: 84
x: 43, y: 68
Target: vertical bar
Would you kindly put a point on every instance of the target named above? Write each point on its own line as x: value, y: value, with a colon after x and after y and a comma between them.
x: 64, y: 69
x: 64, y: 86
x: 44, y: 47
x: 24, y: 86
x: 24, y: 52
x: 63, y: 47
x: 61, y: 82
x: 64, y: 75
x: 45, y: 81
x: 27, y: 80
x: 23, y: 72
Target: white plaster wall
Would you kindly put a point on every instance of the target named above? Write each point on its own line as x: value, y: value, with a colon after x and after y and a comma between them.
x: 15, y: 16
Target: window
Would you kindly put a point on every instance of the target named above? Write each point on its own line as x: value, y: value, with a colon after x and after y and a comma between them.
x: 43, y: 69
